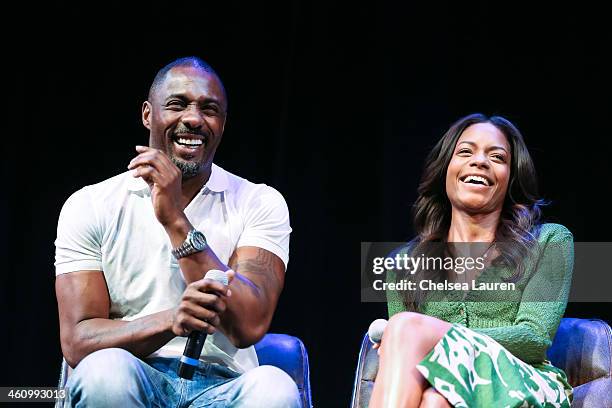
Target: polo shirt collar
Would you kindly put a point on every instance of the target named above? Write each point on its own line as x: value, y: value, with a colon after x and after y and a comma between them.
x: 217, y: 182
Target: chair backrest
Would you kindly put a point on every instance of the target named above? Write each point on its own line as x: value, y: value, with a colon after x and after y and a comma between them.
x: 581, y: 347
x: 289, y: 354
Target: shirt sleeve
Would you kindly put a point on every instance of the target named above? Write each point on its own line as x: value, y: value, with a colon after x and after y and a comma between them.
x: 78, y: 242
x: 541, y: 308
x: 266, y: 221
x: 395, y: 302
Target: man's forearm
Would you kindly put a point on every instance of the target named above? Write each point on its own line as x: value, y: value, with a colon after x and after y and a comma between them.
x: 247, y: 318
x: 140, y: 336
x: 253, y: 301
x: 258, y: 283
x: 249, y: 311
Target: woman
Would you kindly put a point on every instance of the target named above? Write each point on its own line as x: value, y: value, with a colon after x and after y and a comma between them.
x: 487, y: 349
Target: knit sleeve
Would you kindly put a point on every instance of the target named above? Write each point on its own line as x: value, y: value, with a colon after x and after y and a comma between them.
x: 395, y: 303
x: 543, y: 301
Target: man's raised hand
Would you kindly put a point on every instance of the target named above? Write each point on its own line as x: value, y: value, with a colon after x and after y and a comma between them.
x: 164, y: 179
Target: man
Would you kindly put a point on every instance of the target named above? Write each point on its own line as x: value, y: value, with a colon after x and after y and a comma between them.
x: 132, y: 251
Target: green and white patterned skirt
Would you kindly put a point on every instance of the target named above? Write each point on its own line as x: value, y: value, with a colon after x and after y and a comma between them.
x: 472, y: 370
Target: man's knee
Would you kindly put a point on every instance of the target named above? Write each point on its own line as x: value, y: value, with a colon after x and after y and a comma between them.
x: 106, y: 376
x: 274, y: 387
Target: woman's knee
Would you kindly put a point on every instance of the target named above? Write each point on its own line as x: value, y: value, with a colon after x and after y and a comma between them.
x: 433, y: 399
x: 414, y: 329
x: 401, y: 322
x: 407, y: 326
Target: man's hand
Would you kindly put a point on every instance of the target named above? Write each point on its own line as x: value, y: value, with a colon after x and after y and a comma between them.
x: 201, y: 306
x: 164, y: 178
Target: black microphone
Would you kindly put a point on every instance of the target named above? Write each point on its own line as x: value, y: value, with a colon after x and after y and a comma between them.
x: 191, y: 356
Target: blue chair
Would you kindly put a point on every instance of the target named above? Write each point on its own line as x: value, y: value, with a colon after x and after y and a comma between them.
x: 581, y: 347
x: 289, y: 354
x: 280, y: 350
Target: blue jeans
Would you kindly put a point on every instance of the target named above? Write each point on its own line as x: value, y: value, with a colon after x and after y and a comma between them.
x: 116, y: 378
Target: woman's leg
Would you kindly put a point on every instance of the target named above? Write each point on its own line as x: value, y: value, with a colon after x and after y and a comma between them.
x: 408, y: 338
x: 433, y: 399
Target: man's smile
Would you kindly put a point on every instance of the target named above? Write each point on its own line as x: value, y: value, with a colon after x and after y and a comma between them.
x: 188, y: 145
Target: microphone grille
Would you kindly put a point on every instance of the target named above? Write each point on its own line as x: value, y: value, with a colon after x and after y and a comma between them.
x: 376, y: 329
x: 217, y: 275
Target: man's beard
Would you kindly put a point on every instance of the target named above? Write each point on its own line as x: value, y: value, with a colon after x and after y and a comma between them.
x: 188, y: 169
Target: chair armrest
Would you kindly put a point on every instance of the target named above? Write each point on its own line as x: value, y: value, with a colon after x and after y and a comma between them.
x: 594, y: 394
x: 289, y: 354
x: 365, y: 374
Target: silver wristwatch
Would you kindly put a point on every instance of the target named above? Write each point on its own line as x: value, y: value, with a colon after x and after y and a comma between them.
x: 195, y: 242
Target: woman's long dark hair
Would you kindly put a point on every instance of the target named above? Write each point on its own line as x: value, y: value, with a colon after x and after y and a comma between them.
x: 522, y: 206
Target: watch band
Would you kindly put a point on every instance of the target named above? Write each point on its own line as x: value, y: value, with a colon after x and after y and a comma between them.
x: 183, y: 250
x: 195, y: 242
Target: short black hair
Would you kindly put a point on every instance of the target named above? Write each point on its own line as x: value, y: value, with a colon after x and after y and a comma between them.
x: 194, y: 62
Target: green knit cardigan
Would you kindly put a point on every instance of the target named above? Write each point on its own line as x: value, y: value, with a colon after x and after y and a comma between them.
x: 526, y: 321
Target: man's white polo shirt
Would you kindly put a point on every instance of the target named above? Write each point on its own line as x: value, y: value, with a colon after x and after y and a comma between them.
x: 111, y: 227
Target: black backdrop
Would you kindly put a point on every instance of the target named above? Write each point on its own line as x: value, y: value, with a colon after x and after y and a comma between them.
x: 335, y: 105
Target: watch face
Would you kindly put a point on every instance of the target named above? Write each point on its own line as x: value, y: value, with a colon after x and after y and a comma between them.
x: 198, y: 240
